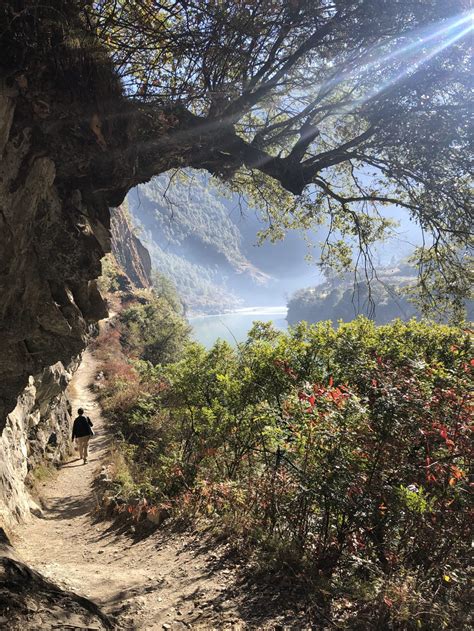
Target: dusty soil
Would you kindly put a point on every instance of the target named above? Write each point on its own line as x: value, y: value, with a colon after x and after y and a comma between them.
x: 166, y: 580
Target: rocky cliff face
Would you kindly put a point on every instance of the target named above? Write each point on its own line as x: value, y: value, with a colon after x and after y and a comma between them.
x: 50, y: 254
x: 129, y: 252
x: 53, y: 239
x: 63, y: 164
x: 36, y: 431
x: 64, y: 135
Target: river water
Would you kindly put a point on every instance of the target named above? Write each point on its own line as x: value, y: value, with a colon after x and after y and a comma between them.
x: 233, y: 327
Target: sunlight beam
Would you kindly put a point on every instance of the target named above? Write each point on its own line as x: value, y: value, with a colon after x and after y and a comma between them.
x: 425, y: 38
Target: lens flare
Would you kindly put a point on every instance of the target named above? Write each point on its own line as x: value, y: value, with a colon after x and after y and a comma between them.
x: 425, y: 45
x: 448, y: 36
x: 422, y: 37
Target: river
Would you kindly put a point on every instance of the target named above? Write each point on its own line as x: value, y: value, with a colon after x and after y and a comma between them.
x: 233, y: 327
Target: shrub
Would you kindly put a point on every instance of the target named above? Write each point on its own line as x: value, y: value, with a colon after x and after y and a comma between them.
x: 343, y: 452
x: 153, y: 330
x: 111, y: 277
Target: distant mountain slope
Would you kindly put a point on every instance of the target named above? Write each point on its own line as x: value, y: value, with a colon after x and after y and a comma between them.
x: 342, y: 300
x: 129, y: 252
x: 192, y: 239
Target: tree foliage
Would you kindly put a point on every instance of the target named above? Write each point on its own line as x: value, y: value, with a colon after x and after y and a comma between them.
x: 153, y: 327
x: 351, y: 106
x: 164, y: 288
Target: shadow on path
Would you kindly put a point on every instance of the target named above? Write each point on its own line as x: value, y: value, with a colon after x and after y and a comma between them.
x: 68, y: 507
x: 70, y: 465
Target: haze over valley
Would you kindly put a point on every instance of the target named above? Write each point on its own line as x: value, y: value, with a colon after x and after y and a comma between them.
x: 207, y: 243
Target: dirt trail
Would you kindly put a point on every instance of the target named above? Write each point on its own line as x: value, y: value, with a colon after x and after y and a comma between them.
x: 164, y: 581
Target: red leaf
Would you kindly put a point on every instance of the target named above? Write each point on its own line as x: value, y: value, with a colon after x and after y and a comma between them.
x: 457, y: 472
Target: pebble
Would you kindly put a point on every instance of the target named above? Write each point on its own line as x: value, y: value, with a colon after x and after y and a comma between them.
x: 165, y: 625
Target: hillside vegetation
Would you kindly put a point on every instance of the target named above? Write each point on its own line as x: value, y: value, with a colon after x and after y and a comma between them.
x: 383, y: 299
x: 193, y: 240
x: 337, y: 457
x: 390, y: 294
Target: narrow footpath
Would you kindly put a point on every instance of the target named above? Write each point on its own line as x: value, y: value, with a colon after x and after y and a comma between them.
x: 163, y: 581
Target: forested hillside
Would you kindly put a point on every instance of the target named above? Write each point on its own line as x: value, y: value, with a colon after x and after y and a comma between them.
x: 383, y: 299
x: 193, y: 241
x: 387, y: 296
x: 207, y: 244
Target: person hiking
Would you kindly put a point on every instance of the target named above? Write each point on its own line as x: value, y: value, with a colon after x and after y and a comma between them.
x: 81, y: 432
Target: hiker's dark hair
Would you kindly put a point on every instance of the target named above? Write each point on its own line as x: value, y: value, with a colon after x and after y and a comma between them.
x: 80, y: 411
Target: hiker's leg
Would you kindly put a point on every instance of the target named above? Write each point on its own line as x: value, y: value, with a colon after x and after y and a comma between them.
x: 80, y: 444
x: 86, y: 447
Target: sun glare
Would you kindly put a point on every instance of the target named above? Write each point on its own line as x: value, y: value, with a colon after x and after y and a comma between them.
x: 421, y: 51
x: 396, y: 61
